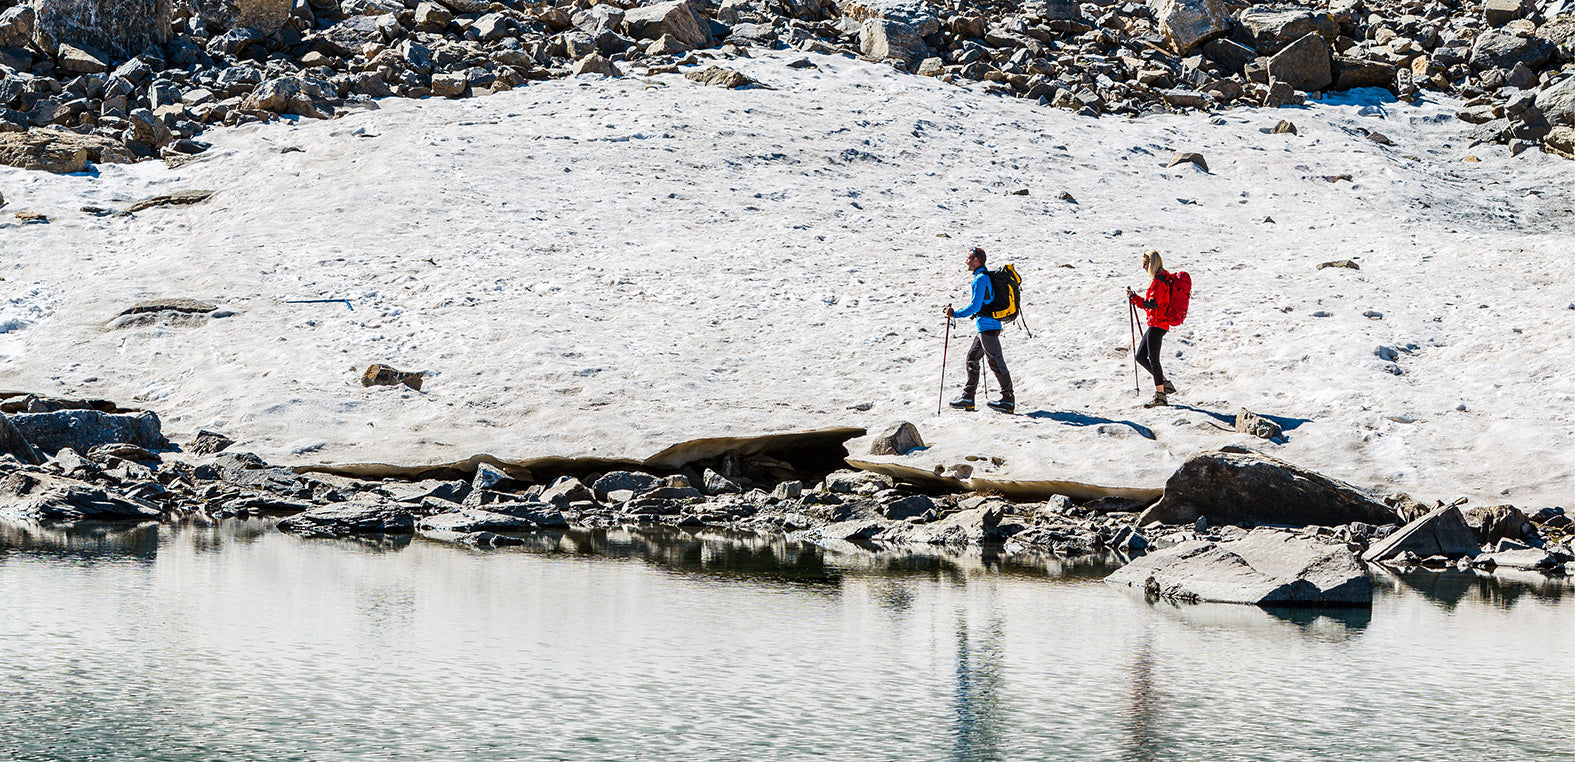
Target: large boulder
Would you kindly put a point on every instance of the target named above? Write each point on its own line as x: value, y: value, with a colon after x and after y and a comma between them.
x: 1266, y: 567
x: 1269, y: 28
x: 880, y: 39
x: 1443, y: 532
x: 675, y: 17
x: 917, y: 14
x: 304, y: 96
x: 1187, y: 23
x: 1498, y: 522
x: 1238, y: 486
x: 1351, y: 73
x: 83, y: 430
x: 352, y: 517
x: 1498, y: 49
x: 42, y: 498
x: 1303, y: 64
x: 14, y: 444
x: 59, y: 151
x: 16, y: 26
x: 266, y: 16
x: 476, y: 520
x: 120, y: 28
x: 900, y: 439
x: 1557, y: 103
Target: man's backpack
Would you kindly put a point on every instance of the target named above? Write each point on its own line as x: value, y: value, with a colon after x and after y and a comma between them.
x: 1180, y: 284
x: 1006, y: 294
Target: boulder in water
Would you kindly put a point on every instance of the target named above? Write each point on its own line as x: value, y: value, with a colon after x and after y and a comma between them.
x: 1266, y: 567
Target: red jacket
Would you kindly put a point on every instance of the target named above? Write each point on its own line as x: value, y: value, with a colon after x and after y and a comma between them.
x: 1156, y: 303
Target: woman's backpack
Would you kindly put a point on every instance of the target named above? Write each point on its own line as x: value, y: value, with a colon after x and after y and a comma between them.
x: 1180, y: 284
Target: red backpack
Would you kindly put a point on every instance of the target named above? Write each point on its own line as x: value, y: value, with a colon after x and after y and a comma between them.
x: 1180, y: 284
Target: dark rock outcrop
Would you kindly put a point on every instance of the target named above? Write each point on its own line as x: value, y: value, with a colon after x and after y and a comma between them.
x: 1443, y: 532
x: 83, y: 430
x: 1238, y: 486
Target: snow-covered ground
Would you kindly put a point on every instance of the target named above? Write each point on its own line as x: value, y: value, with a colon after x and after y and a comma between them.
x: 607, y: 267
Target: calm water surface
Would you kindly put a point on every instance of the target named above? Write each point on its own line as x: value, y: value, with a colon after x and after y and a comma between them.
x: 238, y: 643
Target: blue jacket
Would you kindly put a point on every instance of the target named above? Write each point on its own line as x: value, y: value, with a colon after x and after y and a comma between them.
x: 982, y: 294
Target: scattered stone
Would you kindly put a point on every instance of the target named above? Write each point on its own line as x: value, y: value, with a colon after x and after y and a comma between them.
x: 1248, y: 422
x: 209, y: 443
x: 1188, y: 158
x: 1238, y: 486
x: 181, y: 198
x: 720, y: 77
x: 901, y: 439
x: 1442, y: 532
x: 594, y: 63
x: 1283, y: 127
x: 1266, y: 567
x: 384, y: 375
x: 1345, y: 263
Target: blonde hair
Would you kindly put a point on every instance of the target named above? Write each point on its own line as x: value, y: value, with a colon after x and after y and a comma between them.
x: 1152, y: 262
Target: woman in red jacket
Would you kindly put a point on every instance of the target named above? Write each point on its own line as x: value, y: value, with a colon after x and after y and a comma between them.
x: 1156, y: 303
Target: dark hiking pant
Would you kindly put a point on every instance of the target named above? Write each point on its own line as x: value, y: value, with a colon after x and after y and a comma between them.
x: 988, y: 344
x: 1148, y: 353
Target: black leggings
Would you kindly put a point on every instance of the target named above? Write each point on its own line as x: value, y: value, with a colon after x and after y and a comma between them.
x: 1148, y: 353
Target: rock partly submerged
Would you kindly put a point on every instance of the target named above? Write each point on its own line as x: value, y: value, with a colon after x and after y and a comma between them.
x: 1267, y: 567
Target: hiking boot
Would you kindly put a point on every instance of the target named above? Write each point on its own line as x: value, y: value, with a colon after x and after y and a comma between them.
x: 963, y: 403
x: 1005, y: 406
x: 1169, y: 388
x: 1158, y: 401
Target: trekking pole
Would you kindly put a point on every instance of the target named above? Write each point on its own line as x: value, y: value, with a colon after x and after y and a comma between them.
x: 945, y: 347
x: 1132, y: 326
x: 1023, y: 319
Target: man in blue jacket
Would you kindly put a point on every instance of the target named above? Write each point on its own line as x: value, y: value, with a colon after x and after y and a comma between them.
x: 987, y: 343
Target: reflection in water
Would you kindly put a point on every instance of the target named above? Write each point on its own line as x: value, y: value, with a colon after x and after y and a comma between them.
x: 84, y: 540
x: 977, y: 696
x: 1143, y: 714
x: 1500, y: 587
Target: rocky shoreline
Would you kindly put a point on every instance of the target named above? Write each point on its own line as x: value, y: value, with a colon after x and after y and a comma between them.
x: 68, y: 461
x: 124, y: 80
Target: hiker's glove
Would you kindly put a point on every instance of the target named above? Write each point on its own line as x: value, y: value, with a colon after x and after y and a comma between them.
x: 1133, y: 297
x: 948, y: 310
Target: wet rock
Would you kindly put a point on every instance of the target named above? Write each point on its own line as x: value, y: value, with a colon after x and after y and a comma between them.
x: 900, y: 439
x: 82, y: 430
x: 44, y: 498
x: 1248, y: 422
x: 352, y: 517
x: 1187, y: 23
x: 1498, y: 522
x: 1238, y: 486
x: 385, y: 375
x: 209, y: 443
x: 1442, y: 532
x: 1266, y: 567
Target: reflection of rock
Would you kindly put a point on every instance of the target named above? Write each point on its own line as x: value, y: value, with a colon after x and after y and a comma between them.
x: 1266, y: 566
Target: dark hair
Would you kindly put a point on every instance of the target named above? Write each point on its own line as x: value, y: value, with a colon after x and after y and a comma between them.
x: 978, y: 252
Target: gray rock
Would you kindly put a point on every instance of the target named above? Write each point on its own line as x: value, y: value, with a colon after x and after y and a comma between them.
x: 44, y: 498
x: 1501, y: 12
x: 13, y: 443
x: 1496, y: 522
x: 675, y: 17
x: 1499, y: 49
x: 633, y: 481
x: 901, y: 439
x: 1248, y: 422
x: 1269, y: 28
x: 565, y: 490
x: 974, y: 526
x: 119, y: 28
x: 476, y: 520
x: 790, y: 490
x: 16, y: 26
x: 1442, y: 532
x: 418, y: 492
x: 209, y: 443
x: 1557, y: 102
x: 1186, y: 23
x: 303, y: 96
x: 352, y: 517
x: 83, y: 430
x: 1232, y: 56
x: 1238, y: 486
x: 1350, y: 73
x: 717, y: 484
x: 880, y: 39
x: 1530, y: 559
x: 488, y: 476
x: 1304, y: 64
x: 594, y: 63
x: 857, y: 482
x: 1266, y: 567
x: 911, y: 507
